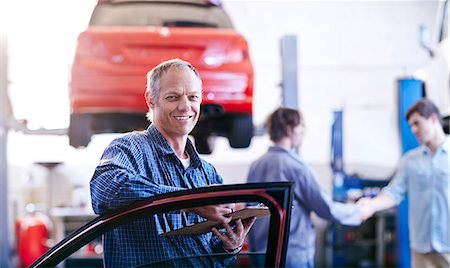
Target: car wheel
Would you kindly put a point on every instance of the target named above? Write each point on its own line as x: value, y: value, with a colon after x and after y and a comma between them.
x: 80, y: 132
x: 204, y: 143
x: 241, y: 131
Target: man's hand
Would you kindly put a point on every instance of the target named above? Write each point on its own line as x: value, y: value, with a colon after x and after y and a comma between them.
x: 234, y: 239
x: 215, y: 212
x: 366, y: 207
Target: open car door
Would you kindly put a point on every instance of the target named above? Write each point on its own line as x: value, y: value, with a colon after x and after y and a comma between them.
x: 275, y: 195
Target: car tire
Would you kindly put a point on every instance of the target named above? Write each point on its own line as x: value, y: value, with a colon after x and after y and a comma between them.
x: 80, y: 132
x: 241, y: 131
x: 204, y: 143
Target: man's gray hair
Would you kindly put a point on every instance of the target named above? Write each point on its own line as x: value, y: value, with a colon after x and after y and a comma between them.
x: 154, y: 77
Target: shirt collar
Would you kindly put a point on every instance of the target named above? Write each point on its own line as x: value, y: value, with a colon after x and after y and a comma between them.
x: 276, y: 148
x: 446, y: 145
x: 163, y: 147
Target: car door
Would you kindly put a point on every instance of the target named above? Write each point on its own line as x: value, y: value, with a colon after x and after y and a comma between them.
x: 275, y: 195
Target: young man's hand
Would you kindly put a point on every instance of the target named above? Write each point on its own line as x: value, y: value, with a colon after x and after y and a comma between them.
x: 365, y: 205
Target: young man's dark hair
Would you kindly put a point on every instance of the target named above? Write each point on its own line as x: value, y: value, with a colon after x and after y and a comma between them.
x: 281, y: 121
x: 425, y: 108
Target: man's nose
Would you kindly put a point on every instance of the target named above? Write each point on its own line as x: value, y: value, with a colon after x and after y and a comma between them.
x: 183, y: 104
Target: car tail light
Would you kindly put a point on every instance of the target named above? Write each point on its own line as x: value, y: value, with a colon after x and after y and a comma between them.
x: 215, y: 58
x: 235, y: 55
x: 89, y: 47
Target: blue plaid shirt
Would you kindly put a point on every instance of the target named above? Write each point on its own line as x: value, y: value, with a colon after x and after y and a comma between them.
x: 142, y: 164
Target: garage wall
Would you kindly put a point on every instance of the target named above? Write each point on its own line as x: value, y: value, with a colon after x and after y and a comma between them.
x: 350, y: 54
x: 42, y: 39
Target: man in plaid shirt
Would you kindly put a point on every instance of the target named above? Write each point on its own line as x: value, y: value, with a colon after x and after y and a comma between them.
x: 159, y: 160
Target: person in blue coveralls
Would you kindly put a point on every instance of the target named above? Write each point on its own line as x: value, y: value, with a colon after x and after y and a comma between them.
x: 423, y: 175
x: 281, y: 163
x: 160, y: 160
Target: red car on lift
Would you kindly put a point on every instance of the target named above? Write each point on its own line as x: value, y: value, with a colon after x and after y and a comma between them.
x: 125, y: 39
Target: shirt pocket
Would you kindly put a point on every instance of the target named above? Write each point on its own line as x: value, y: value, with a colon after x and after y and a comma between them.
x: 442, y: 178
x: 419, y: 178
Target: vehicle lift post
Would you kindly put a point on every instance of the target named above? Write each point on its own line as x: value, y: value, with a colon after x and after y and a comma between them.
x: 410, y: 90
x: 289, y: 71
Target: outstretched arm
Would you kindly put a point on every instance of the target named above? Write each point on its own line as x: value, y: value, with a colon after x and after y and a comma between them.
x: 371, y: 205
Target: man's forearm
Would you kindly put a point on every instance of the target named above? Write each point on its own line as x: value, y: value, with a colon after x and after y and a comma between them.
x: 382, y: 202
x: 115, y: 188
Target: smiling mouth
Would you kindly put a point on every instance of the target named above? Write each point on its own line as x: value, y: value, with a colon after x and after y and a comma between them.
x: 182, y: 118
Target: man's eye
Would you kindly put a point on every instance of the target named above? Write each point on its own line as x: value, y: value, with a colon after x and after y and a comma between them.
x: 171, y: 97
x: 194, y: 97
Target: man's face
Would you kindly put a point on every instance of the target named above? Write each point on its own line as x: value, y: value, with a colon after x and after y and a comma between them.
x: 297, y: 135
x: 422, y: 127
x: 177, y: 109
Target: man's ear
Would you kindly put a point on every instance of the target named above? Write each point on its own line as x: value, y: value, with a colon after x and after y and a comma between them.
x: 290, y: 130
x: 434, y: 117
x: 149, y: 99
